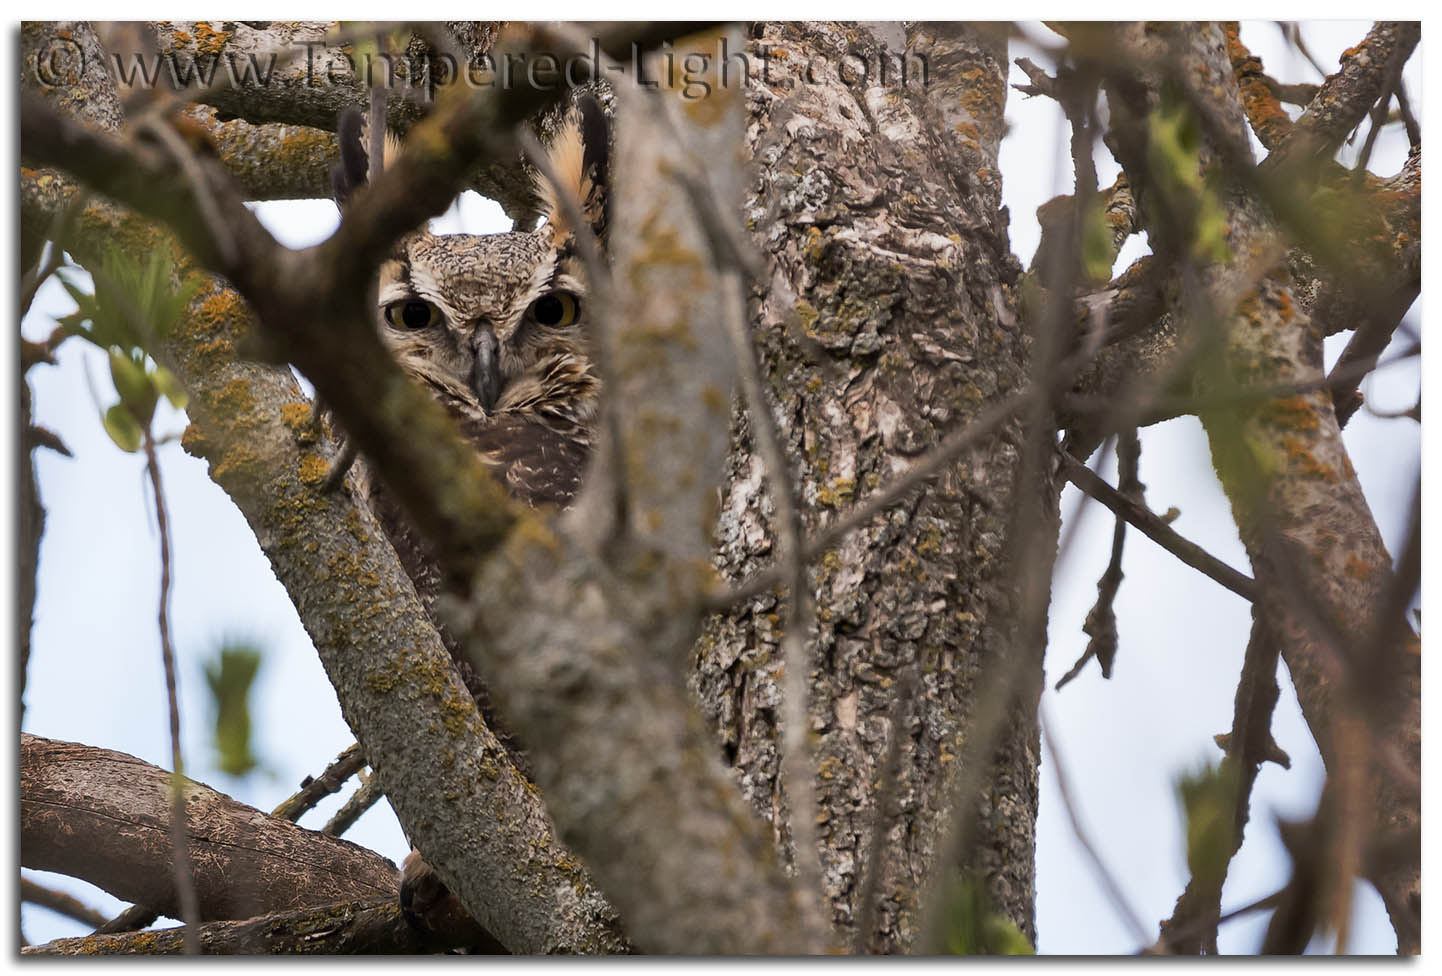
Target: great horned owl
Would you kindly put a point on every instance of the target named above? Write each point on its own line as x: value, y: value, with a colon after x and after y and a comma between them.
x: 494, y: 327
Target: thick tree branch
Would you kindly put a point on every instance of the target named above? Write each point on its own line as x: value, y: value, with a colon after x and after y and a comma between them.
x: 272, y: 161
x: 1258, y: 92
x: 869, y: 298
x: 371, y: 927
x: 1345, y: 97
x: 104, y: 817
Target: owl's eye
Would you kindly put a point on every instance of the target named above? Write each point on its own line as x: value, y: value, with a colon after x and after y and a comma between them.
x: 556, y: 310
x: 412, y: 313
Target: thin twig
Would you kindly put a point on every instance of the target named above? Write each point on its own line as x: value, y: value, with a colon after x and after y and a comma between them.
x: 221, y: 234
x: 1156, y: 529
x: 184, y: 880
x: 1404, y: 109
x: 376, y: 130
x: 600, y: 306
x: 797, y: 771
x: 1101, y: 620
x: 360, y: 801
x: 343, y: 767
x: 1390, y: 81
x: 933, y: 463
x: 59, y: 901
x: 1292, y: 32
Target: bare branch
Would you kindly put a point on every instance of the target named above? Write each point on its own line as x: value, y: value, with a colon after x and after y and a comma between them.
x: 1101, y: 621
x: 365, y: 797
x: 1344, y: 98
x: 1259, y: 93
x: 105, y: 817
x: 1156, y: 529
x: 58, y: 901
x: 1192, y: 928
x: 373, y: 926
x: 796, y: 761
x: 346, y: 765
x: 185, y: 894
x: 133, y: 919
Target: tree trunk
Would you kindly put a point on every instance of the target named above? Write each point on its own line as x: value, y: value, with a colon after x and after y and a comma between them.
x: 877, y: 206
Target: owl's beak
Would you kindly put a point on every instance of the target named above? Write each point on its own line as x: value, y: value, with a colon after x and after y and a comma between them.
x: 486, y: 368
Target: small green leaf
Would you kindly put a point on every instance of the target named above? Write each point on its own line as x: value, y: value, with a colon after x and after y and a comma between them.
x: 231, y: 676
x: 136, y: 390
x: 1004, y: 938
x: 972, y: 927
x: 123, y: 430
x: 1209, y: 800
x: 170, y: 388
x: 133, y: 305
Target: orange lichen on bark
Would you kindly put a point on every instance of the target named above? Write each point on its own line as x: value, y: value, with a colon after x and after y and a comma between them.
x: 1264, y: 110
x: 1304, y: 462
x: 313, y: 469
x: 1358, y: 569
x: 1293, y: 413
x: 984, y: 97
x: 216, y: 312
x: 1250, y: 308
x: 1283, y: 302
x: 209, y: 40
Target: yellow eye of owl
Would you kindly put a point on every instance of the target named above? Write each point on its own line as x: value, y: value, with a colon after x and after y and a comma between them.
x: 412, y: 313
x: 557, y: 309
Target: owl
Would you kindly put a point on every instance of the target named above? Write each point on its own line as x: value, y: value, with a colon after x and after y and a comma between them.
x: 494, y: 328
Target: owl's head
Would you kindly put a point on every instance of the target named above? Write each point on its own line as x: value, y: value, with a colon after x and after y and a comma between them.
x: 497, y: 319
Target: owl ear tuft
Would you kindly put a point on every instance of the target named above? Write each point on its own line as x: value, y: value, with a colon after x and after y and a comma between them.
x: 349, y: 173
x: 580, y: 155
x: 352, y: 171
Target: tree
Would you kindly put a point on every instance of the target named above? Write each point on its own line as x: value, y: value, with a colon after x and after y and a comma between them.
x: 805, y: 720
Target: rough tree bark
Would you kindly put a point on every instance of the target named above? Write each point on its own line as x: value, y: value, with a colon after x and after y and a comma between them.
x: 105, y: 816
x: 373, y: 927
x: 886, y: 320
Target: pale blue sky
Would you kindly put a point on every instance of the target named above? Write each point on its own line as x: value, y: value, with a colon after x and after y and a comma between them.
x: 95, y: 674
